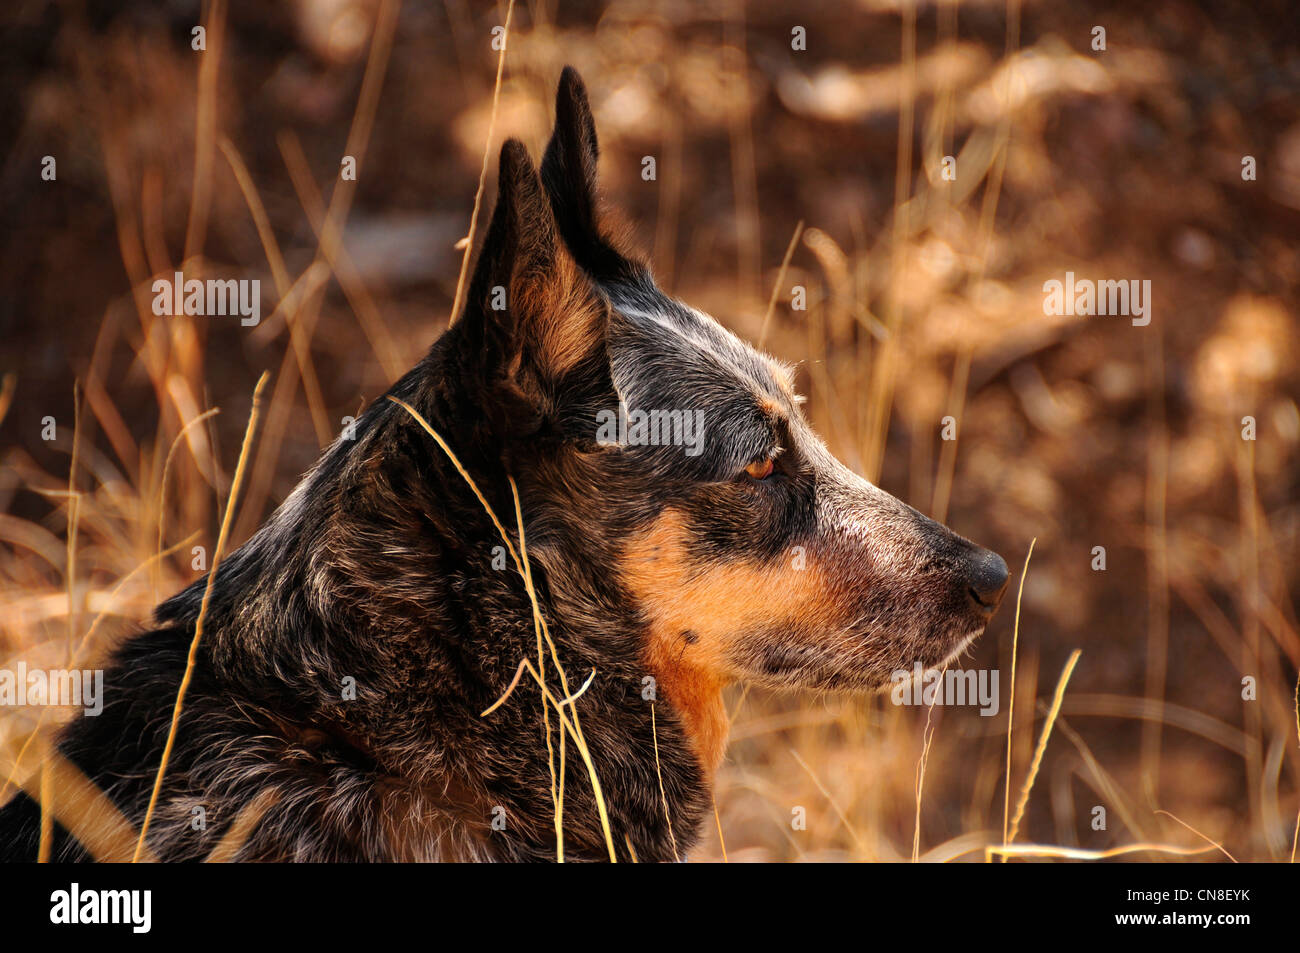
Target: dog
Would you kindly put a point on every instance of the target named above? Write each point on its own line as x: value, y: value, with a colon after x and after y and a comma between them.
x: 355, y: 689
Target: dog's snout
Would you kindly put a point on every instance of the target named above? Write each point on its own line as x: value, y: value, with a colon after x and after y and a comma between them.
x: 988, y: 579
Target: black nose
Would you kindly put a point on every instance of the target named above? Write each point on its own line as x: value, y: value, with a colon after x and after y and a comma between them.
x: 988, y: 579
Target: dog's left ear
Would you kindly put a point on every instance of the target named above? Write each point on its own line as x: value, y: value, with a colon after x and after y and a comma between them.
x: 534, y: 316
x: 569, y: 174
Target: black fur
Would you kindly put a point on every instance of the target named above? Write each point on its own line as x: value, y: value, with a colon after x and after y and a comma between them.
x: 383, y: 567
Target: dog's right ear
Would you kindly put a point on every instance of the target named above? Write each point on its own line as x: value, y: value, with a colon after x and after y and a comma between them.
x: 569, y: 175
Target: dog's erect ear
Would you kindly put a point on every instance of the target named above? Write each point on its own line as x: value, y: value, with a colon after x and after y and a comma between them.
x: 569, y: 174
x: 569, y: 166
x: 539, y: 315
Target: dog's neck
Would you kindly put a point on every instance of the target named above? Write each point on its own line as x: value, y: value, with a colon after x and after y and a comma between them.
x: 371, y: 604
x: 695, y: 695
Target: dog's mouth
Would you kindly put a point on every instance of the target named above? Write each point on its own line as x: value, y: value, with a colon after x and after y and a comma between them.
x: 944, y: 650
x: 858, y: 659
x: 961, y: 646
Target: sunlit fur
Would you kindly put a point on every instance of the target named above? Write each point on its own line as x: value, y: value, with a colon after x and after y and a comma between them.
x: 667, y: 575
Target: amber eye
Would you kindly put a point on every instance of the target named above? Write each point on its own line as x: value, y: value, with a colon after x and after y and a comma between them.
x: 760, y: 469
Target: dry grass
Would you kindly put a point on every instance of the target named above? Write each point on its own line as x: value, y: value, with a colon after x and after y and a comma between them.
x: 921, y: 303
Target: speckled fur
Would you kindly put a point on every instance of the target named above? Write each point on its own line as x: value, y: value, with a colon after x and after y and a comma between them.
x: 379, y: 568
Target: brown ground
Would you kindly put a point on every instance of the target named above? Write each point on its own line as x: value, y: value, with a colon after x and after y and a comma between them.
x: 1074, y: 431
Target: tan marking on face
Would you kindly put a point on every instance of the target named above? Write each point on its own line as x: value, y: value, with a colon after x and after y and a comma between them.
x: 696, y: 611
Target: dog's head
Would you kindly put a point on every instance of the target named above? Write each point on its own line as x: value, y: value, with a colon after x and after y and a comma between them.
x: 657, y: 450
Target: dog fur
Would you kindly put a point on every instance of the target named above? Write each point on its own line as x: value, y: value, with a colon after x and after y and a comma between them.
x: 666, y: 574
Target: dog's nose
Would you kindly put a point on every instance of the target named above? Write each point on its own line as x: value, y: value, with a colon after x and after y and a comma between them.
x: 988, y: 580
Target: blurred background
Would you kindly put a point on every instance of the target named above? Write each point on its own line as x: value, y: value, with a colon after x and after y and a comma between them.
x: 816, y: 132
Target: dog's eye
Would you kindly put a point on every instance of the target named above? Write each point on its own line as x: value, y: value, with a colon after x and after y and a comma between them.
x: 760, y: 469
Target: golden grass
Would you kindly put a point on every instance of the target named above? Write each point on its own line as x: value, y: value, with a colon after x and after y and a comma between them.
x: 574, y: 727
x: 228, y: 847
x: 85, y: 812
x: 659, y: 774
x: 1076, y: 853
x: 1011, y: 695
x: 864, y: 765
x: 468, y: 240
x: 722, y: 841
x: 79, y: 654
x: 283, y: 287
x: 557, y: 774
x: 222, y: 538
x: 1055, y: 710
x: 1212, y: 841
x: 830, y: 798
x: 1295, y: 838
x: 779, y: 283
x: 927, y: 739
